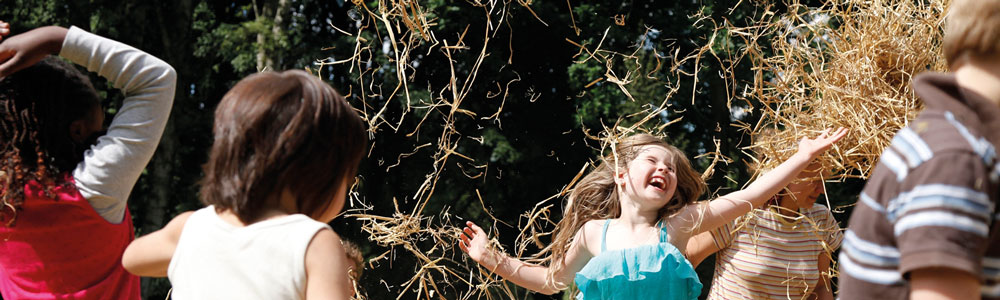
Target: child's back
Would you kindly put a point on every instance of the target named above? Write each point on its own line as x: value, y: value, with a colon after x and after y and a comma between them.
x: 286, y: 149
x: 65, y: 217
x: 60, y: 246
x: 216, y: 260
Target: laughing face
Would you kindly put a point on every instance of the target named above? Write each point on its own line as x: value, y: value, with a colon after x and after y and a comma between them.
x: 650, y: 179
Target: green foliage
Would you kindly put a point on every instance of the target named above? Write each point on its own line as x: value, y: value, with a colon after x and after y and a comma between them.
x: 529, y: 152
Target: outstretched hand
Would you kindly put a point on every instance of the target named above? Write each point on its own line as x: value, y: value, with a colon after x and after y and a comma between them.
x: 813, y: 147
x: 26, y: 49
x: 4, y: 29
x: 475, y: 242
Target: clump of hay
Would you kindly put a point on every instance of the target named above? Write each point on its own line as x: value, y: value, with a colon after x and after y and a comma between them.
x: 848, y: 63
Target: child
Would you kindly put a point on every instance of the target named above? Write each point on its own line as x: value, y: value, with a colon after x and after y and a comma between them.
x: 619, y: 237
x: 287, y: 147
x: 64, y: 183
x: 777, y: 253
x: 926, y: 225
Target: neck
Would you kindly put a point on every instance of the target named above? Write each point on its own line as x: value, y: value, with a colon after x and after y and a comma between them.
x: 229, y: 217
x: 636, y: 216
x: 982, y: 77
x: 788, y: 206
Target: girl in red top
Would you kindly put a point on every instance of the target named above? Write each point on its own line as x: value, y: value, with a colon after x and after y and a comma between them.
x: 64, y: 182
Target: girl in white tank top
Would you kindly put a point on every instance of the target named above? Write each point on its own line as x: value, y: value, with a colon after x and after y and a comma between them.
x: 286, y: 149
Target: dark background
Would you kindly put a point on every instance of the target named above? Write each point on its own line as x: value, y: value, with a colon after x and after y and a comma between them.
x: 527, y: 153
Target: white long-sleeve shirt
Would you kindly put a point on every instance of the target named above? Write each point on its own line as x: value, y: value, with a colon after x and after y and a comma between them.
x: 111, y: 168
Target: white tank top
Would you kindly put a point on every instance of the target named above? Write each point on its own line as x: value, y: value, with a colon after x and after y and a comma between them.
x: 265, y: 260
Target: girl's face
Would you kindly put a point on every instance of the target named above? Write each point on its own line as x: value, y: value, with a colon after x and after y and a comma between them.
x: 650, y: 178
x: 807, y: 187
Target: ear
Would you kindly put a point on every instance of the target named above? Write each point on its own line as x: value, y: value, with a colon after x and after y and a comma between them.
x: 78, y: 130
x: 620, y: 176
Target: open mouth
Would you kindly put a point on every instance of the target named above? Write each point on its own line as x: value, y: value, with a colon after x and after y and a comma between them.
x: 658, y: 182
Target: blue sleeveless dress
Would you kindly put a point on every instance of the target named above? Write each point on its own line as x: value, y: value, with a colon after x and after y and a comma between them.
x: 657, y: 271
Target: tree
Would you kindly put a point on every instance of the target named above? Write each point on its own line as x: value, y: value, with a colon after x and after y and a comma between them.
x: 552, y: 73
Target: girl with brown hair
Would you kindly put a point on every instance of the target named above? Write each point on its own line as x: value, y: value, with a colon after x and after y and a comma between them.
x: 626, y: 222
x: 287, y: 147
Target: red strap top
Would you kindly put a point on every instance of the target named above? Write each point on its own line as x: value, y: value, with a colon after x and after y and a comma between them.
x: 60, y: 248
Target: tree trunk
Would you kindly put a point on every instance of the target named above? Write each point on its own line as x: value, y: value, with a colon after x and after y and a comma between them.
x: 277, y: 31
x: 159, y: 208
x: 274, y: 11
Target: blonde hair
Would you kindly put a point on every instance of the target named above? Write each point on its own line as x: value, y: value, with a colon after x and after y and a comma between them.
x: 972, y: 27
x: 596, y: 195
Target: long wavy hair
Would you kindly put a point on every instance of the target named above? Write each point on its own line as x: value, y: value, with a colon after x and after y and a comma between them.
x: 597, y: 197
x: 37, y: 106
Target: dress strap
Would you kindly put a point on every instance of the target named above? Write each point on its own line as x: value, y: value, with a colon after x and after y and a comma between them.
x: 664, y: 236
x: 604, y: 234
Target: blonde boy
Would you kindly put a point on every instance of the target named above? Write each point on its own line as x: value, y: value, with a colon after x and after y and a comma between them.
x: 926, y: 224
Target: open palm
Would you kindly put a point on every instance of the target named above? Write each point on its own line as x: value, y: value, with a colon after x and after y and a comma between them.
x: 474, y: 242
x: 821, y: 143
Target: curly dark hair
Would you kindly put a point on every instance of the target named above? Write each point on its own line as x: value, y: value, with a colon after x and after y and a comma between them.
x: 37, y: 106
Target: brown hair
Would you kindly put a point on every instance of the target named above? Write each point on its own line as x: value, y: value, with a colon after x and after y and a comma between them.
x: 277, y: 132
x: 37, y: 106
x: 972, y: 27
x: 596, y: 195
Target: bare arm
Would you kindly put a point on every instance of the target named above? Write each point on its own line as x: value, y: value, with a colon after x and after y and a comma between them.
x: 531, y: 276
x: 943, y: 284
x: 727, y: 208
x: 327, y: 268
x: 26, y: 49
x: 822, y: 290
x: 150, y: 255
x: 699, y: 247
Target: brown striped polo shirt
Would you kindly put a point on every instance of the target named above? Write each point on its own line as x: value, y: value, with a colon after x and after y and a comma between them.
x: 931, y: 200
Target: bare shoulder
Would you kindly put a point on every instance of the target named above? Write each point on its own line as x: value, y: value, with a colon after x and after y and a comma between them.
x: 176, y: 225
x: 689, y: 214
x: 324, y: 245
x: 589, y: 235
x: 181, y: 218
x: 592, y: 229
x: 327, y: 267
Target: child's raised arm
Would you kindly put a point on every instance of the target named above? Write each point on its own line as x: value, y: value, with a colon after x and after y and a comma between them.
x: 110, y: 168
x: 24, y: 50
x: 735, y: 204
x: 531, y: 276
